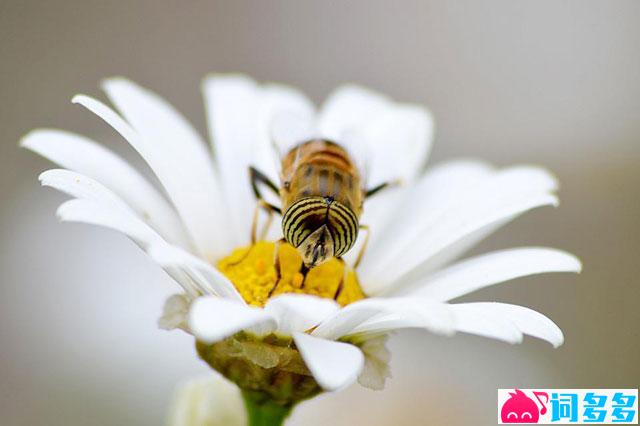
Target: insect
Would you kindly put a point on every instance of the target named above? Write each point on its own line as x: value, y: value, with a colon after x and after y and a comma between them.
x: 322, y: 195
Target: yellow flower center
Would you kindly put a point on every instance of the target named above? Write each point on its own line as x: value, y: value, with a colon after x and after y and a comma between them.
x: 257, y: 275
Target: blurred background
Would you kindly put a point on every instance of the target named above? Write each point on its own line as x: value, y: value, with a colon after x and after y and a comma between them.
x: 548, y: 82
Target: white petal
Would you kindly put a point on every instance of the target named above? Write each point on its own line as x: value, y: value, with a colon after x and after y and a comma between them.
x: 457, y: 249
x: 400, y: 141
x: 101, y: 214
x: 496, y: 200
x: 376, y: 363
x: 209, y: 401
x: 334, y: 365
x: 158, y: 121
x: 492, y: 268
x: 232, y: 105
x: 300, y: 312
x: 175, y: 312
x: 524, y: 319
x: 240, y: 113
x: 212, y: 319
x: 349, y: 317
x: 193, y: 185
x: 448, y: 247
x: 409, y: 312
x: 486, y: 323
x: 101, y: 207
x: 428, y: 198
x: 184, y: 169
x: 396, y: 137
x: 84, y: 156
x: 208, y: 278
x: 80, y: 186
x: 350, y: 107
x: 379, y: 212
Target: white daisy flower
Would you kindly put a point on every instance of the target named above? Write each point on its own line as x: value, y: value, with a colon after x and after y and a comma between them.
x: 265, y: 330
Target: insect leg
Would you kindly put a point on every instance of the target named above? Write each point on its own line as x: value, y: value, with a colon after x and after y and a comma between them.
x: 342, y: 280
x: 257, y: 177
x: 267, y: 224
x: 372, y: 191
x: 261, y: 204
x: 276, y: 264
x: 364, y: 245
x: 304, y: 271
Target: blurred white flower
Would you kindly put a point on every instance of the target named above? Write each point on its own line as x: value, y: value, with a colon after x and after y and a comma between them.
x: 197, y: 224
x: 207, y: 401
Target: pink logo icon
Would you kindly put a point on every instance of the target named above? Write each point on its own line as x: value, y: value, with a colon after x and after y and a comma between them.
x: 519, y: 408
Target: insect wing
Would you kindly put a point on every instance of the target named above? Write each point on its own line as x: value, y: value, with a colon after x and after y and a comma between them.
x: 288, y: 128
x: 356, y: 146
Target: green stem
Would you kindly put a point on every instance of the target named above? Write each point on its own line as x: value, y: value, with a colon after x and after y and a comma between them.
x: 262, y: 411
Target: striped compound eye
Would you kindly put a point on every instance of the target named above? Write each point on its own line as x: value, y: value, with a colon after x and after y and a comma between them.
x: 320, y: 228
x: 343, y: 225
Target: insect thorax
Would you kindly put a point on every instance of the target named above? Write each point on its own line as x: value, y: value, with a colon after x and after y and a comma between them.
x: 320, y: 168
